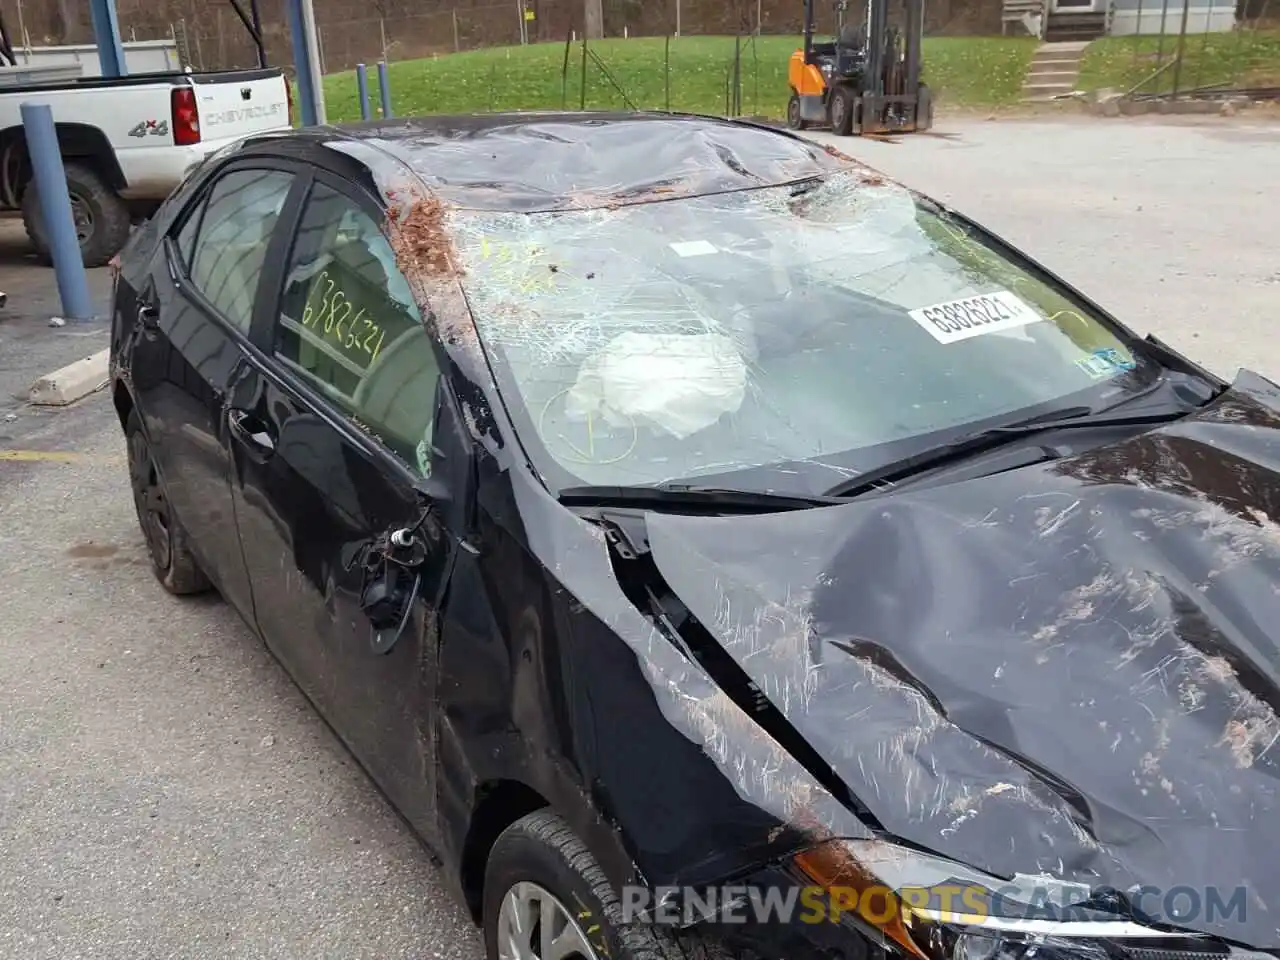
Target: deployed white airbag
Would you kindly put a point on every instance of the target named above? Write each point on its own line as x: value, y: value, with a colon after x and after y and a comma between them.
x: 679, y: 383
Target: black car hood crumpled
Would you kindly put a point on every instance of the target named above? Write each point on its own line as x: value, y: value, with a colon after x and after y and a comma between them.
x: 1069, y: 669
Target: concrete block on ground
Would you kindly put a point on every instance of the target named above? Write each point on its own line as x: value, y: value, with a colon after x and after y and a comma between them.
x: 72, y: 382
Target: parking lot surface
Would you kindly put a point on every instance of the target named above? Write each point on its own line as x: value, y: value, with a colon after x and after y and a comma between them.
x: 1169, y: 223
x: 165, y: 792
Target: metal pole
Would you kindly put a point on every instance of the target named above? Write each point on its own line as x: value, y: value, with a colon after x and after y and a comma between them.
x: 106, y: 33
x: 362, y: 85
x: 302, y: 63
x: 55, y: 210
x: 1182, y: 46
x: 666, y: 71
x: 384, y: 88
x: 317, y: 72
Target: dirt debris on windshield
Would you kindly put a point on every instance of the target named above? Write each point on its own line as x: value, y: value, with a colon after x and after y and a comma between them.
x: 420, y: 237
x: 426, y: 255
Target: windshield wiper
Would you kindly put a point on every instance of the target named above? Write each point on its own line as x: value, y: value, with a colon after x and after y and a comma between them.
x: 1068, y: 418
x: 689, y: 497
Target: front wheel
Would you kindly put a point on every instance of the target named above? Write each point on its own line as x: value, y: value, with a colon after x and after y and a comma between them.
x: 546, y: 898
x: 842, y: 110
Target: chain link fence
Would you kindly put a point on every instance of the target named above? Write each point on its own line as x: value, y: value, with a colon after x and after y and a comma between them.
x: 211, y: 36
x: 1217, y: 49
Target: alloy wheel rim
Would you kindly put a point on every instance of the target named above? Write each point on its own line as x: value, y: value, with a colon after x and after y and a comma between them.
x: 153, y: 509
x: 534, y: 925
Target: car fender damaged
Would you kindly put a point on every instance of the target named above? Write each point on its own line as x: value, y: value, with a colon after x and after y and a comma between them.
x: 709, y: 792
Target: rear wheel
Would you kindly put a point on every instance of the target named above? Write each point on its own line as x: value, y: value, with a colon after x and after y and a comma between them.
x: 171, y: 558
x: 102, y: 219
x: 546, y: 898
x: 841, y: 109
x: 794, y: 120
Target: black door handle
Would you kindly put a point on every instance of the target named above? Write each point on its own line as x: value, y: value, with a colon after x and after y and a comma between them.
x: 149, y: 316
x: 251, y: 432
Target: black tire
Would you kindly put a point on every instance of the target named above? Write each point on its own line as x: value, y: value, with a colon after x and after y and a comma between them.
x: 171, y: 558
x: 841, y: 108
x: 794, y: 120
x: 542, y: 849
x: 103, y: 219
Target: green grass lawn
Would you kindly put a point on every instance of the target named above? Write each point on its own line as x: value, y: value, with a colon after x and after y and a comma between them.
x: 1246, y: 59
x: 964, y: 71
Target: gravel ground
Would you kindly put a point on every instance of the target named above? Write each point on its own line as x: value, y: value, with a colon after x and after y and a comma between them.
x: 1169, y: 223
x: 165, y: 792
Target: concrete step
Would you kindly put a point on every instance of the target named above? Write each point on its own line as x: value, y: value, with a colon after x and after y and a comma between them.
x: 1033, y: 90
x: 1051, y: 76
x: 1066, y: 56
x: 1082, y: 35
x: 1064, y: 46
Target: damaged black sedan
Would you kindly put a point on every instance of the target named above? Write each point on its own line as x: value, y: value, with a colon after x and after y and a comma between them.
x: 714, y: 549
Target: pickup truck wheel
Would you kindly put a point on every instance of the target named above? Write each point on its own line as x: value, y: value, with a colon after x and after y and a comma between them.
x: 546, y: 898
x: 102, y: 218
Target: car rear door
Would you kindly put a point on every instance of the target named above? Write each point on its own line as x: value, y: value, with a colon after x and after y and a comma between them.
x: 331, y: 445
x: 195, y: 312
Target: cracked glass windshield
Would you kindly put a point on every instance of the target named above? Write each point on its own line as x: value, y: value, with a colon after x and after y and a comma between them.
x: 796, y: 329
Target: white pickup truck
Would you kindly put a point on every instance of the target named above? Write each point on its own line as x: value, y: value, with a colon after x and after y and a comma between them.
x: 128, y: 141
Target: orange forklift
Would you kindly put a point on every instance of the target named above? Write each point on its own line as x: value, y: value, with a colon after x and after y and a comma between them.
x: 867, y: 79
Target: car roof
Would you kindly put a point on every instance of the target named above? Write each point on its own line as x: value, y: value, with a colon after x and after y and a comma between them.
x: 530, y: 161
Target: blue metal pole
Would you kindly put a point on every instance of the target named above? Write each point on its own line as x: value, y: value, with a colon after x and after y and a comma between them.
x: 106, y: 33
x: 384, y: 87
x: 55, y: 210
x: 362, y: 85
x: 302, y: 63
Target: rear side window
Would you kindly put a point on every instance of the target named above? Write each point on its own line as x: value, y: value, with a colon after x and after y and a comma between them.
x: 349, y: 326
x: 224, y: 245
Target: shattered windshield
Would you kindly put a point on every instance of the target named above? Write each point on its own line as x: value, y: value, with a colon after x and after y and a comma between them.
x: 789, y: 328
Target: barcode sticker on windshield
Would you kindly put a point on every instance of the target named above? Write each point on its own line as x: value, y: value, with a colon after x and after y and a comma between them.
x: 973, y: 316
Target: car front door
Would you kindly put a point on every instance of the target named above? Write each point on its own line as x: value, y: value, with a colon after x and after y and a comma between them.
x: 195, y: 314
x: 332, y: 452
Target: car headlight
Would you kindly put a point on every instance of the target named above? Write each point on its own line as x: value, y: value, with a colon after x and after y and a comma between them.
x: 930, y: 908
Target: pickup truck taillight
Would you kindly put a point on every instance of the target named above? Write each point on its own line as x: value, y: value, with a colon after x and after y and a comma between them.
x: 288, y: 98
x: 186, y: 119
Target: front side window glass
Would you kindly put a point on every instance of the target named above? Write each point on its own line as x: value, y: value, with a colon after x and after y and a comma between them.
x: 349, y: 326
